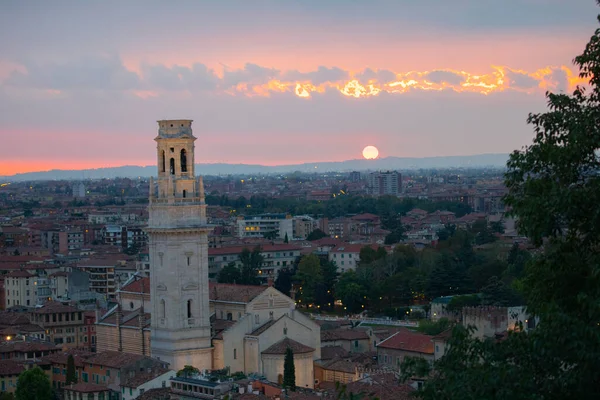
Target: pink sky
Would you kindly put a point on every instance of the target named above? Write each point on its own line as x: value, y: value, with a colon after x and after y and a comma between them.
x: 81, y: 85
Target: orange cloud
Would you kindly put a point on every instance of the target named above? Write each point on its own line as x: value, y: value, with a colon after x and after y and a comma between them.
x: 500, y: 79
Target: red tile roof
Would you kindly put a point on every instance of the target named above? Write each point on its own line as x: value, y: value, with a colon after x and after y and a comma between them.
x: 137, y: 286
x: 54, y: 307
x: 408, y: 341
x: 343, y: 334
x: 114, y: 359
x: 10, y: 367
x: 281, y: 347
x: 86, y: 387
x: 19, y: 274
x: 264, y: 248
x: 233, y: 292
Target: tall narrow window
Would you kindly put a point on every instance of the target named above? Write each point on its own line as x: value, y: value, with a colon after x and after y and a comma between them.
x: 189, y: 309
x: 183, y: 159
x: 184, y: 193
x: 163, y: 162
x: 163, y: 308
x: 172, y: 166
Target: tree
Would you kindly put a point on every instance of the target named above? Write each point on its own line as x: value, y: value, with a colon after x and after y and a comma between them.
x: 497, y: 227
x: 251, y: 263
x: 271, y: 235
x: 286, y: 239
x: 33, y: 384
x: 316, y: 235
x: 289, y: 370
x: 309, y: 276
x: 351, y: 291
x: 330, y: 276
x: 554, y: 191
x: 283, y: 283
x: 230, y: 274
x: 188, y: 371
x: 396, y: 236
x: 71, y: 372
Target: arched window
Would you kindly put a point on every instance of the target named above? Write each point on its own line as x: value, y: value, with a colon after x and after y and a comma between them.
x: 183, y: 159
x: 189, y: 309
x: 172, y: 166
x: 184, y: 196
x: 164, y: 166
x: 163, y: 308
x: 229, y: 317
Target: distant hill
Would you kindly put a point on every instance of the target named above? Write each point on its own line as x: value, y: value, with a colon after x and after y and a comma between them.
x: 392, y: 163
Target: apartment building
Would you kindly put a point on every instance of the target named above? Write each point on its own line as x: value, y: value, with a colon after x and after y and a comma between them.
x: 264, y: 225
x: 101, y: 276
x: 62, y: 323
x: 276, y: 256
x: 20, y: 289
x: 384, y: 183
x: 303, y: 226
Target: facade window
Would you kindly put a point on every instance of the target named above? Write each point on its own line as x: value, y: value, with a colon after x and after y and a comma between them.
x: 356, y: 343
x: 172, y: 166
x: 235, y: 354
x: 189, y: 261
x: 163, y: 307
x: 184, y: 194
x: 189, y: 309
x: 270, y: 314
x: 163, y: 162
x: 229, y: 317
x: 183, y: 159
x: 256, y: 319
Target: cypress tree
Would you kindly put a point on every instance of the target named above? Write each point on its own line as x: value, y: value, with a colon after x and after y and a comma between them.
x: 286, y: 240
x: 71, y: 373
x: 289, y: 370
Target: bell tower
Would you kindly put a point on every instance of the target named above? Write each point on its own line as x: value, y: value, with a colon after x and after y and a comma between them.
x: 178, y: 247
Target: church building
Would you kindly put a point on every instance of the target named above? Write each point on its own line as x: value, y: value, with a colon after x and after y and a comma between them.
x: 193, y: 321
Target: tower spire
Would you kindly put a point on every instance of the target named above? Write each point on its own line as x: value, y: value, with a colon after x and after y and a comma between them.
x: 178, y: 234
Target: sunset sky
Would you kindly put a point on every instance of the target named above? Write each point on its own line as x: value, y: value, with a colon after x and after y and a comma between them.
x: 82, y: 83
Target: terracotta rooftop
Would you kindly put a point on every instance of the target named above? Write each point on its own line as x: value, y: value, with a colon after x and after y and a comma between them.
x: 331, y: 352
x: 382, y: 387
x: 10, y: 367
x: 343, y: 334
x: 19, y: 274
x: 408, y: 341
x: 86, y: 387
x: 233, y: 292
x: 54, y: 307
x: 281, y: 347
x: 142, y: 377
x: 24, y: 347
x: 137, y: 286
x: 79, y: 356
x: 264, y: 249
x: 114, y: 359
x: 156, y: 394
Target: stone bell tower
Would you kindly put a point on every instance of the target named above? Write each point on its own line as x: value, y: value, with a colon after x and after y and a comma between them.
x: 178, y: 246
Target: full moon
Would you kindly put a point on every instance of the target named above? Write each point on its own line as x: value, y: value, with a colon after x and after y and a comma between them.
x: 370, y: 152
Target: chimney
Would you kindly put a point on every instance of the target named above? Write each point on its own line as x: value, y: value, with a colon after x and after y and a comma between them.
x: 270, y: 281
x: 246, y: 296
x: 293, y: 293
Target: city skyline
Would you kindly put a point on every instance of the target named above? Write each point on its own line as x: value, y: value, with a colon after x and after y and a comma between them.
x: 412, y: 80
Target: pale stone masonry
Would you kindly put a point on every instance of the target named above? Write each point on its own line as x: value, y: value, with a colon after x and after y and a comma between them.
x: 178, y: 249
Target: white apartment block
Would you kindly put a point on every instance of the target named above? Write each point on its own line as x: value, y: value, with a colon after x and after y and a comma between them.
x: 256, y: 226
x: 20, y: 288
x: 275, y: 256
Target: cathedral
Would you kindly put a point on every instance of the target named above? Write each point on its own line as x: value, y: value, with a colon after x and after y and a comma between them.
x: 193, y: 321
